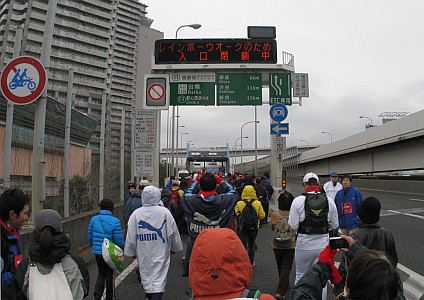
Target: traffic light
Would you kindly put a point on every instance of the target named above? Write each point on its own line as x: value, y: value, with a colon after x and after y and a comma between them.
x: 284, y: 184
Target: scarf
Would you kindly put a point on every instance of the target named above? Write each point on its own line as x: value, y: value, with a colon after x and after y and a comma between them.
x: 206, y: 194
x: 313, y: 188
x: 14, y: 232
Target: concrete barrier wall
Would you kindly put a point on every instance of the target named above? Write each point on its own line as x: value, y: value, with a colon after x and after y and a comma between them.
x: 75, y: 228
x: 399, y: 186
x: 402, y: 186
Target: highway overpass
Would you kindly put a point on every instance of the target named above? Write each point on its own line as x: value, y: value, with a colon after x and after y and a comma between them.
x: 397, y: 145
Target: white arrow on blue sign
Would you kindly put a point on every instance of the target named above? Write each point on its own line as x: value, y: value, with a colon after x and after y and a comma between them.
x: 280, y: 128
x: 278, y: 112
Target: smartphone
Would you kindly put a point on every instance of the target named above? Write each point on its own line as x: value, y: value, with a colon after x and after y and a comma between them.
x: 338, y: 242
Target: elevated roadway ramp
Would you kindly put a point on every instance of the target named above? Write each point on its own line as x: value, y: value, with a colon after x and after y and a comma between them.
x: 394, y: 146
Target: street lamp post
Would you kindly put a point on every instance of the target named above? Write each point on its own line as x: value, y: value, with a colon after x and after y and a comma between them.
x: 176, y: 147
x: 331, y: 136
x: 168, y: 153
x: 235, y: 149
x: 367, y: 125
x: 175, y: 130
x: 182, y: 133
x: 194, y: 26
x: 241, y: 142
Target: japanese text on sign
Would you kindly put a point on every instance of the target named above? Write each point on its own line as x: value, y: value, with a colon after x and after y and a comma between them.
x: 300, y: 85
x: 145, y: 125
x: 280, y: 144
x: 143, y: 159
x: 216, y: 51
x: 280, y: 88
x: 239, y: 89
x: 193, y: 89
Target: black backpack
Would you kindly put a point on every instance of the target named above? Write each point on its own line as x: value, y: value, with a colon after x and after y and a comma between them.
x: 316, y: 214
x: 262, y: 193
x: 165, y: 196
x: 248, y: 217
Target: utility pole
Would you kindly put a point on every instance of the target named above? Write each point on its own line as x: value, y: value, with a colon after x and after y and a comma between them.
x: 102, y: 148
x: 9, y: 118
x: 67, y: 144
x: 38, y: 163
x: 122, y: 154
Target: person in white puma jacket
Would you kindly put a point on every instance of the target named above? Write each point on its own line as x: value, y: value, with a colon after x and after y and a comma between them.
x: 151, y: 238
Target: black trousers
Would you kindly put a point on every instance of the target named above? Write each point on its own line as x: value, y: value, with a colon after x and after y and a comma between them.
x: 105, y: 276
x: 284, y: 258
x: 265, y: 205
x: 248, y: 239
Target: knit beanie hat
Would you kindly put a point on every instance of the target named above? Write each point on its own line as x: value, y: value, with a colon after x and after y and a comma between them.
x: 369, y: 210
x: 107, y: 204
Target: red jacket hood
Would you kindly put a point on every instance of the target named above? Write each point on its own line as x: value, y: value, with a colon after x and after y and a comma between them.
x: 219, y: 264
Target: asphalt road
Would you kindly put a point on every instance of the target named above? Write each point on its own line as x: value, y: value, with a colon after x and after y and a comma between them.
x: 401, y: 213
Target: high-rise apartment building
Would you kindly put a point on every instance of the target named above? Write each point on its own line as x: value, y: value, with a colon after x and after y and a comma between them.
x: 127, y: 17
x: 97, y: 39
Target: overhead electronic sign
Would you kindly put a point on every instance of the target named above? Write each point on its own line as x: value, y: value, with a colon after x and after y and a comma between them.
x: 215, y: 51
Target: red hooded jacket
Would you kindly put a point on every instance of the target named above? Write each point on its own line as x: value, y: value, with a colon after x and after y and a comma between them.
x: 219, y: 266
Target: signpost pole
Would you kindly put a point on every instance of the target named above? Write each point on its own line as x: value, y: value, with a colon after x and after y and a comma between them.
x: 67, y: 144
x: 173, y: 141
x: 167, y: 145
x: 156, y: 177
x: 256, y: 142
x: 9, y: 118
x: 133, y: 118
x: 176, y: 146
x: 122, y: 154
x: 38, y: 163
x: 102, y: 148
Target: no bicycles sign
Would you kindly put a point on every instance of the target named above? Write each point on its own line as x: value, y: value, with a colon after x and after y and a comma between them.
x: 23, y: 80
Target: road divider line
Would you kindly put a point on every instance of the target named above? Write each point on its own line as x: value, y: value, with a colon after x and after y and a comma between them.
x: 122, y: 276
x: 413, y: 285
x: 412, y: 199
x: 406, y: 214
x: 126, y: 272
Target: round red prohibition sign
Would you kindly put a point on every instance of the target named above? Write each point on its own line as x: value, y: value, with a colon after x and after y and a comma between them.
x: 156, y: 92
x: 23, y: 80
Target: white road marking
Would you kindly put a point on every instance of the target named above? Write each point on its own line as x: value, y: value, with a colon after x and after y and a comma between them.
x: 122, y: 276
x: 406, y: 214
x: 412, y: 199
x: 126, y: 272
x: 413, y: 286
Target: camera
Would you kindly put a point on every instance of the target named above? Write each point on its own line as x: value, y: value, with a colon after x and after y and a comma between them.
x: 338, y: 242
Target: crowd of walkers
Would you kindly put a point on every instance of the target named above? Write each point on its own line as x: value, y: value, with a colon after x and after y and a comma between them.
x: 221, y: 218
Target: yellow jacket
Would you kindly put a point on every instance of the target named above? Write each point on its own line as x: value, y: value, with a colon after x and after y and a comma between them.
x: 249, y: 194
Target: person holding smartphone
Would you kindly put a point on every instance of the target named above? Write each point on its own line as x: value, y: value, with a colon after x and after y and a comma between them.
x: 371, y: 275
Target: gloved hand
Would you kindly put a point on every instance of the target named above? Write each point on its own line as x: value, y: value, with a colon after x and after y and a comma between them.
x: 327, y: 257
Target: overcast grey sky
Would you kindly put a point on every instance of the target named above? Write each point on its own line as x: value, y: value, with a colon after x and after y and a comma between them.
x: 363, y: 58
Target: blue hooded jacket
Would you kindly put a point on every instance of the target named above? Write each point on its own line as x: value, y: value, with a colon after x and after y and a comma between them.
x: 104, y: 225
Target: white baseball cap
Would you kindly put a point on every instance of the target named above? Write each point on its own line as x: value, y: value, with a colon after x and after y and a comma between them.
x: 144, y: 182
x: 310, y: 175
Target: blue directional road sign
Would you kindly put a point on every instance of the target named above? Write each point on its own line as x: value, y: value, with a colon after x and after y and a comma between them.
x: 278, y: 112
x: 280, y: 128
